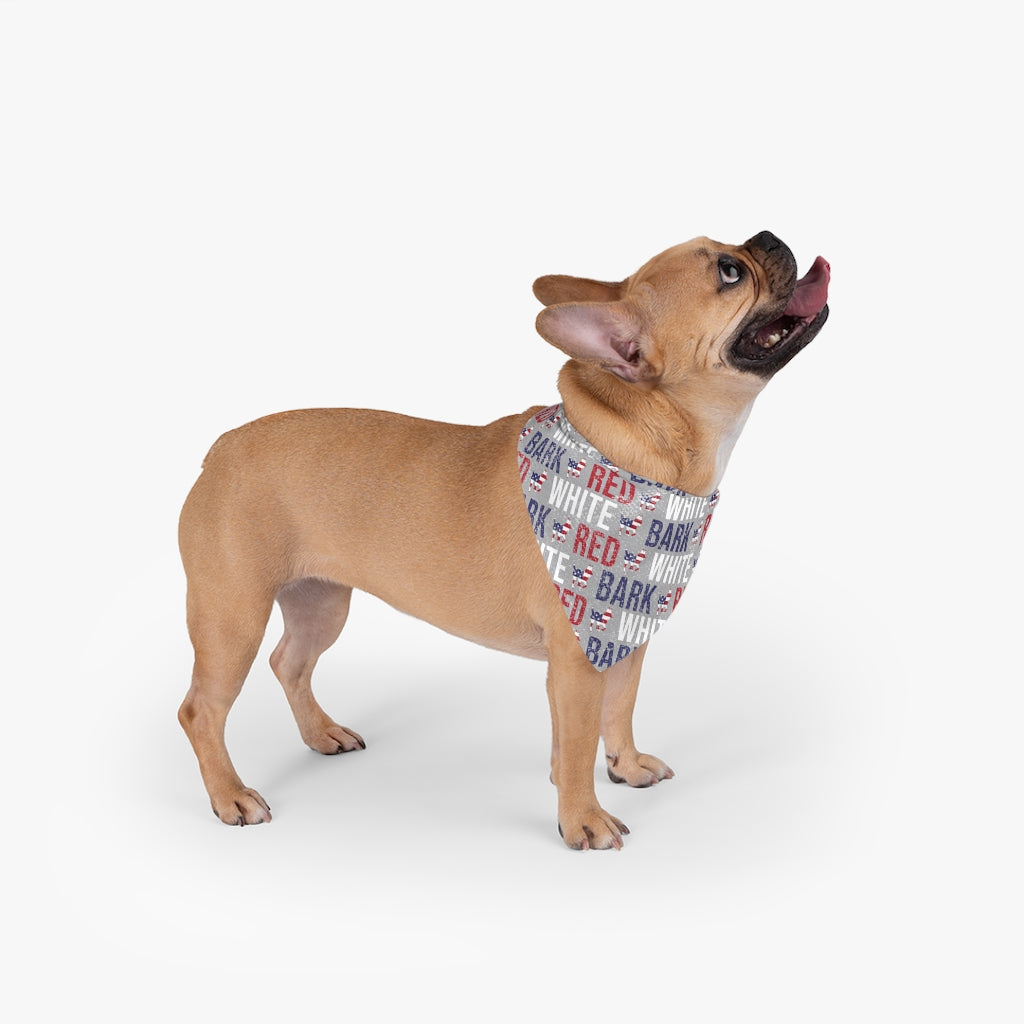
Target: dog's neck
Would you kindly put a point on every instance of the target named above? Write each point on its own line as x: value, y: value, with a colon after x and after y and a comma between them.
x: 681, y: 436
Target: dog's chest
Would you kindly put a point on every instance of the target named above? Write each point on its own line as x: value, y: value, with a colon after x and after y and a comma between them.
x: 620, y: 549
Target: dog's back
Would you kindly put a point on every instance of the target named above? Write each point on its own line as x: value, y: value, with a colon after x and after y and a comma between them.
x: 384, y: 485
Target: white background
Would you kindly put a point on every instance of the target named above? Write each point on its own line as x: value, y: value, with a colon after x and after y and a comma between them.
x: 211, y: 211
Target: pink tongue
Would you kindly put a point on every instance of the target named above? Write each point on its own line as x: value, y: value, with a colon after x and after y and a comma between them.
x: 811, y: 292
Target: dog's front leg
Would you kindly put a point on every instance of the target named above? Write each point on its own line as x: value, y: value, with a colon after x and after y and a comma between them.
x: 625, y: 762
x: 576, y: 692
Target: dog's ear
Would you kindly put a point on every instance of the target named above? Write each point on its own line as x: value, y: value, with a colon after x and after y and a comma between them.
x: 561, y: 288
x: 609, y: 333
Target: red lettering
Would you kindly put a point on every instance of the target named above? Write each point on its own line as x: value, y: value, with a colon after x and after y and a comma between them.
x: 611, y: 552
x: 524, y: 467
x: 608, y: 482
x: 578, y: 607
x: 579, y: 545
x: 679, y: 594
x: 602, y: 548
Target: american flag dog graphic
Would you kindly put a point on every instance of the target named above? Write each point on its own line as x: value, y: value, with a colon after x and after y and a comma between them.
x: 527, y: 431
x: 633, y: 561
x: 664, y: 603
x: 600, y: 620
x: 581, y: 577
x: 537, y: 480
x: 630, y: 526
x: 576, y: 466
x: 648, y: 501
x: 561, y: 531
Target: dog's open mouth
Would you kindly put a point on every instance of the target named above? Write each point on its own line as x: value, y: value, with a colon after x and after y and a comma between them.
x: 765, y: 347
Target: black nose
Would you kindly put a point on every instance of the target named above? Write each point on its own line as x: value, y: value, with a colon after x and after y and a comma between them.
x: 765, y: 241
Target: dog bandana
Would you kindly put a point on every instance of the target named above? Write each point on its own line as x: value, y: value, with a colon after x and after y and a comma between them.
x: 619, y: 549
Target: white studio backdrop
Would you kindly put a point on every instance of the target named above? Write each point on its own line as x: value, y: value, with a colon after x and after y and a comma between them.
x: 213, y: 211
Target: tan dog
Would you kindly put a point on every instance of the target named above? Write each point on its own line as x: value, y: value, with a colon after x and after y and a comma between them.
x: 664, y: 368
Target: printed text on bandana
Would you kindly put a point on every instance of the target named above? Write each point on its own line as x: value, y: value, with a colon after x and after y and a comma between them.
x: 619, y: 549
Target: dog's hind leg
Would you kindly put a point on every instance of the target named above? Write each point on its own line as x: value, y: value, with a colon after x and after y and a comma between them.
x: 314, y: 612
x: 625, y: 763
x: 226, y: 630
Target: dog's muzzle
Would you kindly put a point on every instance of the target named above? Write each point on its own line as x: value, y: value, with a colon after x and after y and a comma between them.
x: 773, y: 336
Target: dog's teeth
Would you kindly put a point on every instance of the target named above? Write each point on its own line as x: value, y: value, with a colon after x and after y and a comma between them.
x: 774, y: 338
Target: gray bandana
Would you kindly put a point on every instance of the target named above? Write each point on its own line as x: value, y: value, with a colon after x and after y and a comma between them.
x: 620, y: 549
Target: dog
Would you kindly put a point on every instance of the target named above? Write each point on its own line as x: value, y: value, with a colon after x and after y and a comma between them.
x: 304, y: 507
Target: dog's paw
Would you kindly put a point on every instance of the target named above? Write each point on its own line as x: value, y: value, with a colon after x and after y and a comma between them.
x: 638, y: 771
x: 242, y: 807
x: 331, y: 738
x: 596, y: 830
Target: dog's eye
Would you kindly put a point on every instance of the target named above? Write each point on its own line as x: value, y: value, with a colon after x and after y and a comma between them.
x: 729, y: 272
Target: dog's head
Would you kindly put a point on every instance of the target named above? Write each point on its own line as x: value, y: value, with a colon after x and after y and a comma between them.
x: 737, y: 311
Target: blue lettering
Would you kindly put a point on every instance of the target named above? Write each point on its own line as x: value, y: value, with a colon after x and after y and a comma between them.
x: 545, y: 451
x: 634, y: 596
x: 668, y: 536
x: 604, y: 586
x: 683, y: 531
x: 654, y: 534
x: 541, y: 523
x: 619, y: 597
